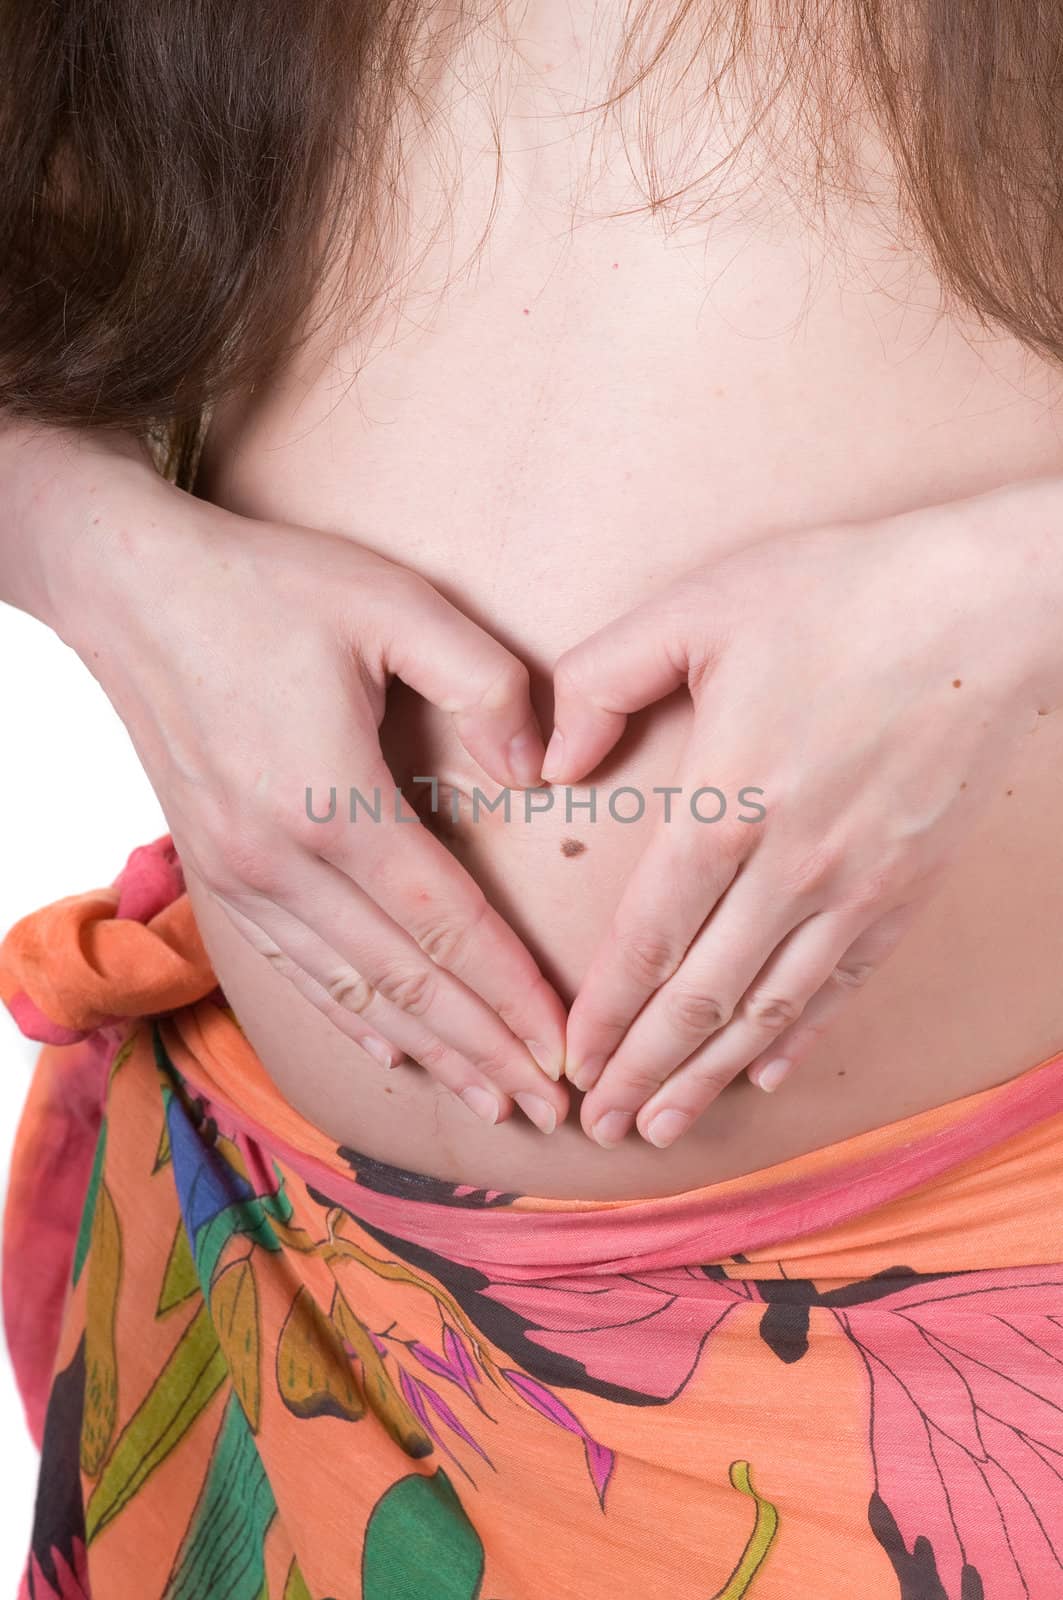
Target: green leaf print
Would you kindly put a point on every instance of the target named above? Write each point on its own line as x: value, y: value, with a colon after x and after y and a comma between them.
x: 419, y: 1542
x: 250, y: 1218
x: 179, y: 1280
x: 163, y: 1155
x: 295, y: 1587
x: 234, y: 1310
x: 190, y: 1379
x: 100, y: 1407
x: 221, y: 1557
x: 88, y: 1210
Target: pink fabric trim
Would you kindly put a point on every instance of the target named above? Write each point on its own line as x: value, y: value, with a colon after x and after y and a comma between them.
x: 538, y: 1237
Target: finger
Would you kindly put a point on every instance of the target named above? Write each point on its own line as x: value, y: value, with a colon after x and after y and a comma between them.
x: 779, y: 995
x: 738, y: 940
x: 631, y: 663
x: 411, y: 875
x: 775, y: 1063
x: 323, y: 992
x: 821, y: 954
x: 679, y: 881
x: 397, y: 970
x: 325, y: 979
x: 460, y: 668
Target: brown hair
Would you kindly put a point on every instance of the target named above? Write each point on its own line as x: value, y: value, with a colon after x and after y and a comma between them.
x: 180, y: 180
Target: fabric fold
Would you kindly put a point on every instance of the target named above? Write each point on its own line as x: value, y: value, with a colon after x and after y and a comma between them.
x: 92, y: 960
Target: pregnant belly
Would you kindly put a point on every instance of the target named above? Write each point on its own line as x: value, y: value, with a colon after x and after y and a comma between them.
x: 596, y: 416
x: 972, y: 997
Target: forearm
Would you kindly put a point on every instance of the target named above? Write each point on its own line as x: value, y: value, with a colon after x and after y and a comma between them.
x: 60, y: 484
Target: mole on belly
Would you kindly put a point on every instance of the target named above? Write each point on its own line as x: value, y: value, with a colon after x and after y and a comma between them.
x: 572, y: 847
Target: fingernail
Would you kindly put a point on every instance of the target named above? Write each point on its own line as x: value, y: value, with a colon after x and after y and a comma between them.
x: 555, y: 752
x: 522, y: 756
x: 587, y: 1073
x: 771, y: 1074
x: 482, y: 1102
x: 610, y: 1129
x: 551, y: 1065
x: 666, y: 1127
x: 380, y: 1050
x: 540, y: 1111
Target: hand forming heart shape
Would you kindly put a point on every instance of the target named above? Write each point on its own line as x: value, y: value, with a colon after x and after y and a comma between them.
x: 875, y: 744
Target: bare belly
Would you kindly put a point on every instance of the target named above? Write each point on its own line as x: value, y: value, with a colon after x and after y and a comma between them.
x: 594, y: 414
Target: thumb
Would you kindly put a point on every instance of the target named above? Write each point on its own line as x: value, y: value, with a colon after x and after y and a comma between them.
x: 628, y: 664
x: 455, y: 665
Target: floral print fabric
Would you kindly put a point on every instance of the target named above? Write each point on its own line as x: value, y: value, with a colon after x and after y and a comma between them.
x: 261, y: 1366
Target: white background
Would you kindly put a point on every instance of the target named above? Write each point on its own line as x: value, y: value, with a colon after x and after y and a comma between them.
x: 74, y: 801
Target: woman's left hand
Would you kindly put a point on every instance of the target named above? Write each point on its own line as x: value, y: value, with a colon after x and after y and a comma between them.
x: 869, y: 683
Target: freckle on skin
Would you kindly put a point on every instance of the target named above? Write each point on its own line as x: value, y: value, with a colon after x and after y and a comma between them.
x: 527, y: 313
x: 1011, y: 791
x: 957, y: 683
x: 572, y: 847
x: 963, y: 786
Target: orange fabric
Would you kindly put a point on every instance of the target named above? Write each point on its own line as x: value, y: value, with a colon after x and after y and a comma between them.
x: 275, y: 1368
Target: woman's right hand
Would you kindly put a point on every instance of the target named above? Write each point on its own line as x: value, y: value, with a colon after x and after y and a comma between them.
x: 249, y: 662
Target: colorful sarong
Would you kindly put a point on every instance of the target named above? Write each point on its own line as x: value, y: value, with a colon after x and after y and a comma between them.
x: 263, y: 1368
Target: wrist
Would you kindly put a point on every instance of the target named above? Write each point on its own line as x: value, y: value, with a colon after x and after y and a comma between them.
x: 66, y: 492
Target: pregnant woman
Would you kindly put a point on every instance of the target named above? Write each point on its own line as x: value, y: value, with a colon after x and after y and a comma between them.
x: 458, y: 1170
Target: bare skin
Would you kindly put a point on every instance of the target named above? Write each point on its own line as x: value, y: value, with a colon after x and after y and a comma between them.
x: 593, y: 415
